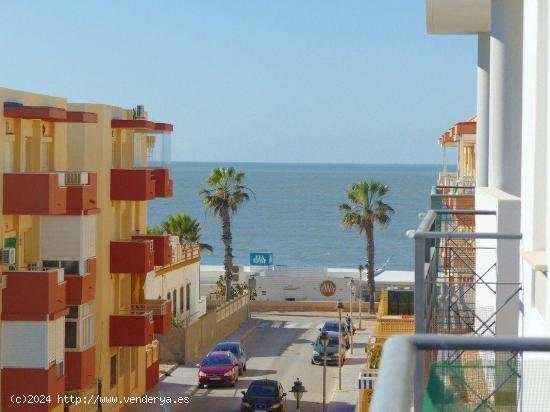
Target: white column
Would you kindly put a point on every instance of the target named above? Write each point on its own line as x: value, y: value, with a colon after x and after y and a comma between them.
x: 534, y: 125
x: 505, y: 91
x: 482, y: 137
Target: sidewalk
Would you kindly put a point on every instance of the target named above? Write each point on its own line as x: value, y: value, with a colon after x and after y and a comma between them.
x: 345, y: 400
x: 182, y: 380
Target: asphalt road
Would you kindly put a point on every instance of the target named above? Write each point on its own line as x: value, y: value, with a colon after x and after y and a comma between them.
x: 280, y: 349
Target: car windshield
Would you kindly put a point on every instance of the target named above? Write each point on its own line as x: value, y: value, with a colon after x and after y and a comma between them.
x: 333, y: 341
x: 227, y: 348
x: 216, y: 361
x: 333, y: 327
x: 266, y: 390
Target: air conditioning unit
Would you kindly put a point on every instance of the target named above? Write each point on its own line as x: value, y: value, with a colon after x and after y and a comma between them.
x: 8, y: 256
x: 139, y: 112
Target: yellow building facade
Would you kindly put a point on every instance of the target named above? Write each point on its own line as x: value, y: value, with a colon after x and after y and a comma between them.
x: 76, y: 257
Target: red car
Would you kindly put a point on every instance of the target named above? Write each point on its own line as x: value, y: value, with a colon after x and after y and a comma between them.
x: 219, y: 367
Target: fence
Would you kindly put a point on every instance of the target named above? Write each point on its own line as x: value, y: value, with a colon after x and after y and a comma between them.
x: 185, y: 344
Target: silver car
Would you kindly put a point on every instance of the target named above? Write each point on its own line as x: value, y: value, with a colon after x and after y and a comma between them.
x: 236, y: 349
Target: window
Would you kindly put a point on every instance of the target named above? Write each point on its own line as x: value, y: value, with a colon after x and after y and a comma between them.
x: 79, y: 327
x: 71, y: 266
x: 188, y: 297
x: 60, y: 369
x: 181, y: 299
x: 133, y: 359
x: 70, y: 335
x: 174, y: 303
x: 122, y: 362
x: 113, y: 370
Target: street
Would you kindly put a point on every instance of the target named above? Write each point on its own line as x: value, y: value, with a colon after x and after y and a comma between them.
x: 280, y: 348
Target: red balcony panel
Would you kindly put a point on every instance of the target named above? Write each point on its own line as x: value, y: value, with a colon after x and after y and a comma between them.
x: 152, y: 375
x: 132, y: 256
x: 81, y: 117
x: 164, y: 186
x: 46, y: 113
x: 164, y: 127
x: 163, y: 318
x: 25, y: 382
x: 82, y: 197
x: 34, y: 295
x: 80, y: 288
x: 140, y: 124
x: 132, y: 184
x: 33, y: 194
x: 161, y: 244
x: 79, y: 369
x: 136, y: 329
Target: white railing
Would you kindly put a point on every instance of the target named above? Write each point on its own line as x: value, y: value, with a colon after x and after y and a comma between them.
x: 72, y: 178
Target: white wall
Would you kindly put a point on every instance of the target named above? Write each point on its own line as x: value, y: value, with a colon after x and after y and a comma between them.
x: 156, y: 286
x: 506, y: 256
x: 32, y: 344
x: 67, y: 237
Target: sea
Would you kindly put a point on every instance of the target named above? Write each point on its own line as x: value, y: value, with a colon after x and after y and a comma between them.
x: 294, y: 214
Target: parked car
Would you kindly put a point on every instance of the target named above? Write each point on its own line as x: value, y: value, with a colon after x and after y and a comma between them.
x: 218, y: 367
x: 237, y: 350
x: 332, y: 326
x: 334, y: 350
x: 264, y: 395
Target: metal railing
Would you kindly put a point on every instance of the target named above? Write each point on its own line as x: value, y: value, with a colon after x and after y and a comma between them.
x: 489, y: 376
x: 137, y: 312
x: 157, y: 307
x: 72, y: 178
x: 457, y: 290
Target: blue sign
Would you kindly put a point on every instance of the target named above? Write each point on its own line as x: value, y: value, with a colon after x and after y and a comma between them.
x: 261, y: 259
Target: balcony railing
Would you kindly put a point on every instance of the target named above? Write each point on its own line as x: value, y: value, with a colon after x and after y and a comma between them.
x: 491, y: 374
x: 162, y: 313
x: 456, y: 286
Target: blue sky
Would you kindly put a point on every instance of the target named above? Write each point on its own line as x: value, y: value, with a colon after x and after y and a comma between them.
x: 355, y: 81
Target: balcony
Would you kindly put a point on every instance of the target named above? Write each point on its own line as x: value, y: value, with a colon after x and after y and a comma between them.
x: 27, y: 382
x: 183, y: 254
x: 132, y: 184
x: 462, y: 373
x: 50, y: 193
x: 162, y: 313
x: 82, y: 288
x: 162, y: 247
x: 34, y: 294
x: 131, y: 328
x: 79, y: 369
x: 163, y: 184
x: 132, y: 256
x: 458, y: 289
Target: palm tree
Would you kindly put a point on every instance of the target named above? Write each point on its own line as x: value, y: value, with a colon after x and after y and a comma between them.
x: 365, y: 209
x: 226, y: 192
x: 187, y: 229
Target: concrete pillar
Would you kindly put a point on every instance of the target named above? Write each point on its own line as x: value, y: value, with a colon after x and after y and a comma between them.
x: 482, y: 137
x: 505, y: 95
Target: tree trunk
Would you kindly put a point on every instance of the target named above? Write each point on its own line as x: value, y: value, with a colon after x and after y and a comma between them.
x: 370, y: 265
x: 228, y: 258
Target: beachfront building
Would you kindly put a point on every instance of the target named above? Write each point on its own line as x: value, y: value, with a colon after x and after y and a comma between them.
x: 506, y: 249
x: 77, y: 317
x: 461, y: 138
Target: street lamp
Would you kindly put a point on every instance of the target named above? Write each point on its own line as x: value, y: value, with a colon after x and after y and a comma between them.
x: 324, y: 341
x: 351, y: 289
x: 298, y: 391
x: 361, y: 268
x: 339, y: 306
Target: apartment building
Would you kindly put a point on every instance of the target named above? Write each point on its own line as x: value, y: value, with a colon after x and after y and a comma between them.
x: 85, y: 289
x: 486, y: 275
